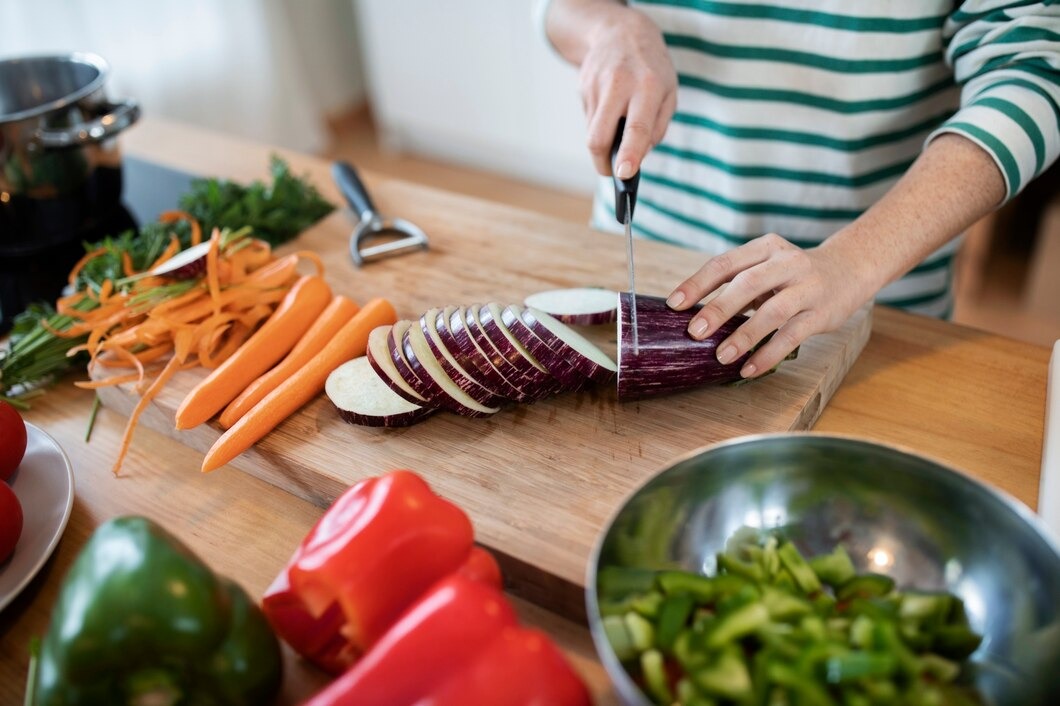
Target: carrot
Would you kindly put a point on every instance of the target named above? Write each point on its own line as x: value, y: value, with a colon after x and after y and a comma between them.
x: 339, y: 311
x: 295, y: 314
x: 163, y: 377
x: 305, y: 384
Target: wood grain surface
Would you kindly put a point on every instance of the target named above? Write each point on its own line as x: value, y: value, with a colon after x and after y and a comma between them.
x: 970, y: 399
x: 558, y: 468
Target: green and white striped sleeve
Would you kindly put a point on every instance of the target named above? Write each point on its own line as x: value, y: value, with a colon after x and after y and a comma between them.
x: 1006, y: 56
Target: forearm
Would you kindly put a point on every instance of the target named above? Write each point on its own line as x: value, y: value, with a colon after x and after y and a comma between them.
x: 573, y: 25
x: 951, y: 185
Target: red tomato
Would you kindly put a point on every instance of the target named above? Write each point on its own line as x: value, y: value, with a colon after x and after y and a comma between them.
x: 12, y: 440
x: 10, y: 521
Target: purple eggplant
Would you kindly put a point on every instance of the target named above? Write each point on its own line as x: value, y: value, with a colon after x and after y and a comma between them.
x: 668, y: 359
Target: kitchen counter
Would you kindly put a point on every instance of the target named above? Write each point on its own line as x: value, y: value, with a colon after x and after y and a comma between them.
x: 967, y: 398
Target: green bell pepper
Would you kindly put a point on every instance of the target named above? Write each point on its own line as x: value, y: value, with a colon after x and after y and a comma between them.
x: 141, y: 620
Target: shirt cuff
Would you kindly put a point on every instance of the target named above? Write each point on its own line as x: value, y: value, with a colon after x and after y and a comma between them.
x: 1015, y: 120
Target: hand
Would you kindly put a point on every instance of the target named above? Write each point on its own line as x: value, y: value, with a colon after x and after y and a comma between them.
x: 797, y: 292
x: 626, y: 71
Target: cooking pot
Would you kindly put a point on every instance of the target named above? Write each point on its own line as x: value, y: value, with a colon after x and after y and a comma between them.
x: 60, y: 170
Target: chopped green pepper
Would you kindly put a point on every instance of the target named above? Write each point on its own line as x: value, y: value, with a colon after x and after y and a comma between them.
x: 772, y: 628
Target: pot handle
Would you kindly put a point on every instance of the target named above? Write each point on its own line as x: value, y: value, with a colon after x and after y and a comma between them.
x: 119, y: 116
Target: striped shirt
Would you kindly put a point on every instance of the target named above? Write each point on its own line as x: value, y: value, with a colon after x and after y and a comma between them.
x: 794, y: 116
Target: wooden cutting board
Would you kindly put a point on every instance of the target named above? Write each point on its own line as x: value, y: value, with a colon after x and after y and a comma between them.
x: 539, y: 481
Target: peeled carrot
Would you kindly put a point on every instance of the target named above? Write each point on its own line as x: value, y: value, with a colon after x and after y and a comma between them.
x: 295, y: 314
x: 339, y: 311
x: 305, y: 384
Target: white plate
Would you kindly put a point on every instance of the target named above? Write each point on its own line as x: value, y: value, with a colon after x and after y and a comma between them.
x: 44, y: 484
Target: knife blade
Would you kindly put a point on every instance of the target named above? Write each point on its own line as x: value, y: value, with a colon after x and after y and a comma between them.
x: 625, y: 201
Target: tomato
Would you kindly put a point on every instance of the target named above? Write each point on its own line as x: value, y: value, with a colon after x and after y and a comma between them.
x: 10, y: 521
x: 12, y: 440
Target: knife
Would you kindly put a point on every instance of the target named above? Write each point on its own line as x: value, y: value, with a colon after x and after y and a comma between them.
x: 625, y: 201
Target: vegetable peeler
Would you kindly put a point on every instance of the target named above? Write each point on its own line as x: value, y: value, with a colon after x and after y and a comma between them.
x: 404, y: 235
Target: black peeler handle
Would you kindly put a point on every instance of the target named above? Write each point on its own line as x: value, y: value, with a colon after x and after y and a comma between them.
x: 623, y: 186
x: 352, y: 188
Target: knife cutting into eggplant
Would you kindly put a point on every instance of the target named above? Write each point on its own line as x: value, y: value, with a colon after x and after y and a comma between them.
x: 625, y: 202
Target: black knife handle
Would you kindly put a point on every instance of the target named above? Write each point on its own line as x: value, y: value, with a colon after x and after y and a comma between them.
x: 349, y: 183
x: 623, y: 186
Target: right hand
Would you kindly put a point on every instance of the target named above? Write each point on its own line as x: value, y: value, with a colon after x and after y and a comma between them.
x: 626, y: 71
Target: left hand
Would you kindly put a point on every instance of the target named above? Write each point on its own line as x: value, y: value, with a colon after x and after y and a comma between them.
x: 797, y: 293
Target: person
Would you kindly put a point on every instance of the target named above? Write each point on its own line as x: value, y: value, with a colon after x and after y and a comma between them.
x: 860, y: 138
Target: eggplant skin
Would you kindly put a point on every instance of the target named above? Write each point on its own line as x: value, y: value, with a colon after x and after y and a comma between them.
x: 390, y: 421
x: 668, y: 359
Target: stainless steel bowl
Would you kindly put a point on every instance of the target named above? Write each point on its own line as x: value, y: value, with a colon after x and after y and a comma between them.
x: 926, y: 525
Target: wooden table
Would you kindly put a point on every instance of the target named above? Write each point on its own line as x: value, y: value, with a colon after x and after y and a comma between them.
x: 967, y: 398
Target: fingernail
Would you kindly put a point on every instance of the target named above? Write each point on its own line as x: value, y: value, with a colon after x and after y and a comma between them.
x: 726, y: 355
x: 624, y: 171
x: 698, y: 328
x: 748, y: 370
x: 675, y: 299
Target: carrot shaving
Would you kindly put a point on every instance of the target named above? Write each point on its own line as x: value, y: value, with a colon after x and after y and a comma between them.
x: 80, y: 264
x: 313, y: 258
x: 149, y: 394
x: 127, y: 268
x: 174, y: 216
x: 106, y: 290
x: 107, y: 382
x: 212, y: 280
x: 147, y: 355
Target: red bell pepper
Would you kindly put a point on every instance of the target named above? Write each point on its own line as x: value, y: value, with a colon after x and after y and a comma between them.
x: 459, y: 645
x: 373, y: 553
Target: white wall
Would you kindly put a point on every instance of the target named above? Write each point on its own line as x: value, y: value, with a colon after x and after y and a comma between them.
x: 474, y: 82
x: 268, y: 70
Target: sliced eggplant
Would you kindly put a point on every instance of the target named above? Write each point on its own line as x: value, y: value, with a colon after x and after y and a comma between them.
x: 542, y: 382
x: 426, y: 366
x: 668, y: 359
x: 476, y: 363
x: 425, y: 387
x: 580, y: 353
x: 362, y: 397
x: 583, y: 306
x: 378, y: 355
x: 552, y: 360
x: 452, y: 369
x: 519, y: 371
